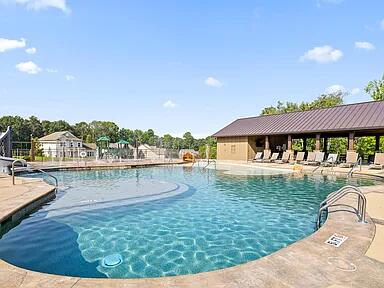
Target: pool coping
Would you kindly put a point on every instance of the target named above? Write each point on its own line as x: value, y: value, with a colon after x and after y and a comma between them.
x: 297, y: 265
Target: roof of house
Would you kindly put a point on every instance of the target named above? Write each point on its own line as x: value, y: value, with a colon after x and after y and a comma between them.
x: 55, y: 136
x: 350, y: 117
x: 90, y: 146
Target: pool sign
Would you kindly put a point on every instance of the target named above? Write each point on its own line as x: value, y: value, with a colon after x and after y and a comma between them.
x: 336, y: 240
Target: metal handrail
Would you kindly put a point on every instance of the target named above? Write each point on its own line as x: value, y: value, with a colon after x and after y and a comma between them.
x: 358, y: 162
x: 22, y: 162
x: 335, y: 196
x: 209, y: 163
x: 333, y: 162
x: 50, y: 175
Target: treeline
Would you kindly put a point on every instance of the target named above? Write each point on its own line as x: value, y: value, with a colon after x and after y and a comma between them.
x: 24, y: 128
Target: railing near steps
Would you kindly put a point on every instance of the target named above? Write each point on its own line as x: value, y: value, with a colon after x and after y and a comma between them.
x: 335, y: 196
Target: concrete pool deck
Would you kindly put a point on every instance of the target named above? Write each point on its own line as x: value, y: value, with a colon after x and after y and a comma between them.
x: 358, y: 262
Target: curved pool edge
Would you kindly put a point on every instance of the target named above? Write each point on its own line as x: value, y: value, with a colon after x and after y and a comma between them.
x: 297, y: 265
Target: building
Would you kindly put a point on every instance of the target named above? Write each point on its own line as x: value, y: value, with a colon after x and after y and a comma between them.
x: 65, y: 144
x: 241, y: 139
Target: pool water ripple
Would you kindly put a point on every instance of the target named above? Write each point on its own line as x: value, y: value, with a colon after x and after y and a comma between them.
x: 221, y: 220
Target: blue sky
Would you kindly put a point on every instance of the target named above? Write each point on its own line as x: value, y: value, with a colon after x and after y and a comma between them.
x: 185, y: 65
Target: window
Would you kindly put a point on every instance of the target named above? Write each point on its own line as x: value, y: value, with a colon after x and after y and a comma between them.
x: 233, y: 149
x: 78, y: 144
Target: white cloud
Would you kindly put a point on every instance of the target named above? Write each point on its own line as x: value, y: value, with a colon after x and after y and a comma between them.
x: 28, y: 67
x: 335, y: 89
x: 50, y: 70
x: 323, y: 54
x: 8, y: 44
x: 364, y: 45
x: 355, y: 91
x: 69, y: 77
x: 40, y: 4
x: 382, y: 24
x: 210, y: 81
x: 31, y: 50
x: 169, y: 104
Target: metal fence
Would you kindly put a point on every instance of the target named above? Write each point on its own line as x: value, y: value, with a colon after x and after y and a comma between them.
x: 77, y: 154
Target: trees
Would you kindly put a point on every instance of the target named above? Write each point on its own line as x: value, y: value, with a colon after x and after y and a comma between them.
x: 323, y: 101
x: 375, y: 88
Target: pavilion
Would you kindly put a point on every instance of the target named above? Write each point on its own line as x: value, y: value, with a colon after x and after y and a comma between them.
x: 241, y: 139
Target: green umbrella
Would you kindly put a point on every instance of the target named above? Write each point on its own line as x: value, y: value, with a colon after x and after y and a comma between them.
x: 103, y: 138
x: 122, y: 141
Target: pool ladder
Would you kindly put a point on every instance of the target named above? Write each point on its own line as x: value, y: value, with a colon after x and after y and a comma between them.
x: 23, y: 162
x: 337, y: 195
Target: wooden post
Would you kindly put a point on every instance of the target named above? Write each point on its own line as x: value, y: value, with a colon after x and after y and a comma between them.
x: 304, y: 144
x: 318, y: 143
x: 351, y: 141
x: 289, y: 146
x: 266, y: 142
x: 377, y: 144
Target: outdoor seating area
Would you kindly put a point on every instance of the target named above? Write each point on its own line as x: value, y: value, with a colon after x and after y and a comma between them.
x: 318, y: 158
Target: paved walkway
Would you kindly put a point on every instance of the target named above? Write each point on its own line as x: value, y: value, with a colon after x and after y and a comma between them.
x: 310, y: 262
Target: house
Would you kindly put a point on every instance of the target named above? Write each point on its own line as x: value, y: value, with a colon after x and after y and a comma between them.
x: 241, y: 139
x: 65, y: 144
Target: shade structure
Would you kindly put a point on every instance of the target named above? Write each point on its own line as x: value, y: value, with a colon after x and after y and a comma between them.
x: 103, y: 138
x: 122, y: 141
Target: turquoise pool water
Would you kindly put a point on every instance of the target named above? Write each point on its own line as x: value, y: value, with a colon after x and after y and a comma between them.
x: 165, y: 221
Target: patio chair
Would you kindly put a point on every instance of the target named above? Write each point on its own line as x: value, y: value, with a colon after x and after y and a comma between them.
x: 273, y: 158
x: 284, y: 159
x: 266, y: 156
x: 350, y: 160
x: 310, y: 158
x: 331, y: 160
x: 258, y: 157
x: 378, y: 163
x: 300, y: 157
x: 319, y: 158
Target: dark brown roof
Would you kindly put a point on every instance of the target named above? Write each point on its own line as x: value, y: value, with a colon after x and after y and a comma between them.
x: 352, y: 117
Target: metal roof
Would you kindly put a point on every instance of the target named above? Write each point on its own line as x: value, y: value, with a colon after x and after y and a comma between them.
x: 351, y: 117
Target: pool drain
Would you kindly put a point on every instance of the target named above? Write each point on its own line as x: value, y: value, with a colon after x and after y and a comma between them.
x: 112, y: 260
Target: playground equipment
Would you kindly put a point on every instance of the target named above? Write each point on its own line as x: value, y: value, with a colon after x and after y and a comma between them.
x: 6, y: 159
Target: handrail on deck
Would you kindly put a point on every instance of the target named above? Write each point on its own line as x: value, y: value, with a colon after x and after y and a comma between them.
x: 22, y: 162
x: 209, y: 163
x: 358, y: 162
x: 50, y: 175
x: 335, y: 196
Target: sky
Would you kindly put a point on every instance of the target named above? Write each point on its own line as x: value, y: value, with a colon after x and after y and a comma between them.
x: 176, y: 66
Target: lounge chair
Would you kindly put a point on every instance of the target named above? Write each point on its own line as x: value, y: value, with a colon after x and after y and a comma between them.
x: 378, y: 163
x: 273, y: 158
x: 300, y: 157
x: 350, y: 160
x: 266, y: 156
x: 319, y: 158
x: 310, y: 158
x: 331, y: 160
x: 284, y: 159
x: 258, y: 157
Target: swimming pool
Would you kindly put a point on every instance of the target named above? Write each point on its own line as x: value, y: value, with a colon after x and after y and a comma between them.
x: 166, y: 221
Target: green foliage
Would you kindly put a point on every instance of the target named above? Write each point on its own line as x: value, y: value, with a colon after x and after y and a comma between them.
x: 375, y: 88
x: 323, y: 101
